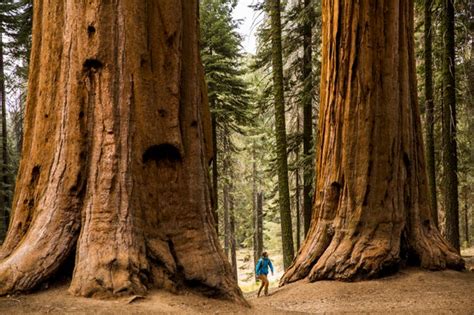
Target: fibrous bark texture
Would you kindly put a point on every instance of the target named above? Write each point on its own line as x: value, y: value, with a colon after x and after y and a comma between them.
x: 372, y: 210
x: 115, y: 155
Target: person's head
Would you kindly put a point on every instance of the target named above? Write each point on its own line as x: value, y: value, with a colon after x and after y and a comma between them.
x: 265, y: 254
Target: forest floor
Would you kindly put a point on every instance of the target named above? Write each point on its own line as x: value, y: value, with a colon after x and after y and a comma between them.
x: 411, y: 291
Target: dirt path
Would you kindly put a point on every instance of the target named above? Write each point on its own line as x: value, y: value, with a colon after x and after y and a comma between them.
x: 412, y: 291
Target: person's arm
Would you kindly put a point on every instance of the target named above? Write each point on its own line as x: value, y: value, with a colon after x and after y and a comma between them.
x: 271, y: 266
x: 259, y: 265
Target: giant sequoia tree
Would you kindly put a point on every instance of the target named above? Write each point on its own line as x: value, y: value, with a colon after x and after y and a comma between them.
x: 372, y: 208
x: 115, y: 154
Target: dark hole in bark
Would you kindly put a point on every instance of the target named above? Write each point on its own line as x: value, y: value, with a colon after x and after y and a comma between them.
x: 92, y: 63
x: 406, y: 161
x: 408, y: 256
x: 35, y: 173
x: 162, y: 112
x: 366, y: 196
x: 91, y: 30
x: 201, y: 288
x: 162, y: 153
x: 426, y: 224
x: 194, y: 123
x: 66, y: 269
x: 81, y: 114
x: 143, y: 61
x: 46, y: 115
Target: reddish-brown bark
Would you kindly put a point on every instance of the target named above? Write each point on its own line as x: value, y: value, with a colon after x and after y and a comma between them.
x: 372, y: 210
x: 115, y: 154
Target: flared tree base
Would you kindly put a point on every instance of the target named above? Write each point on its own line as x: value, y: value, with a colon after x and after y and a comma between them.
x: 374, y: 253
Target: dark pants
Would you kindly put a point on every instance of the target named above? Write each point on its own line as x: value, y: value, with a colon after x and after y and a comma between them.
x: 264, y: 280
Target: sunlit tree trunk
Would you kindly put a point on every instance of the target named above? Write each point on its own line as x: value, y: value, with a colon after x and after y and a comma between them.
x: 115, y: 154
x: 372, y: 210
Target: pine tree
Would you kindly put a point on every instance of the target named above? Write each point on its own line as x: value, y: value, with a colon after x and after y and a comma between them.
x: 228, y: 92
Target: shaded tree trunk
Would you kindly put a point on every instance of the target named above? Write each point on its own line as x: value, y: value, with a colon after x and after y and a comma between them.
x: 215, y: 174
x: 307, y: 112
x: 116, y: 151
x: 233, y: 244
x: 259, y: 224
x: 466, y: 215
x: 372, y: 210
x: 429, y: 100
x: 225, y: 194
x: 450, y: 159
x: 280, y: 132
x: 5, y: 184
x: 254, y: 205
x: 297, y: 201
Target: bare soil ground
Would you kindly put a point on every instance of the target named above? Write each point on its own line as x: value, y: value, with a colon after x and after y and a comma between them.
x: 412, y: 291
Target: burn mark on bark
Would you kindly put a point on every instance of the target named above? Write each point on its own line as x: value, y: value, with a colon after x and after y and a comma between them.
x: 165, y: 152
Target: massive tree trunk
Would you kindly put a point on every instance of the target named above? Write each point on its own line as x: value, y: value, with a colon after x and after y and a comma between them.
x: 429, y: 101
x: 372, y: 210
x: 280, y: 133
x: 450, y: 159
x: 308, y: 22
x: 116, y: 153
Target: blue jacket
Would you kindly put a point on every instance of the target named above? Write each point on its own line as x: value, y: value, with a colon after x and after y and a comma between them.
x: 262, y: 266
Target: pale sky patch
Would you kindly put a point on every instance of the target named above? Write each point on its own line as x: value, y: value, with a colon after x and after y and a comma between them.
x: 249, y: 24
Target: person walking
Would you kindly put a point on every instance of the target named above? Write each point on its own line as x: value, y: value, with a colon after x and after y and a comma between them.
x: 262, y: 271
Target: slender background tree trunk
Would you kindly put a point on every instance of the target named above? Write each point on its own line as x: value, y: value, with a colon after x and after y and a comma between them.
x: 5, y: 184
x: 450, y: 159
x: 280, y: 131
x: 307, y: 112
x: 429, y: 99
x: 215, y: 174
